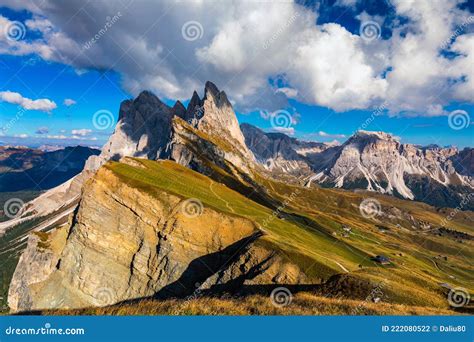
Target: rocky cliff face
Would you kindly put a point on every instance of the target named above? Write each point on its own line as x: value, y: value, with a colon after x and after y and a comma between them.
x: 126, y: 241
x: 463, y: 162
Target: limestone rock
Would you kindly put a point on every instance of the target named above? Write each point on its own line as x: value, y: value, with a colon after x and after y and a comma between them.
x: 126, y: 243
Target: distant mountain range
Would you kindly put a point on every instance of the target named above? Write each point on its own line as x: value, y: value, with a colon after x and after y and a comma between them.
x: 373, y: 161
x: 183, y: 200
x: 23, y: 168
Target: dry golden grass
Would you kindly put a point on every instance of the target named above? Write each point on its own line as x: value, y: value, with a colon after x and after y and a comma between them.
x: 302, y: 304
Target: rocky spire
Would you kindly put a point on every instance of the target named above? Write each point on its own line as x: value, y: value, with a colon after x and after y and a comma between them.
x: 194, y: 105
x: 220, y: 97
x: 179, y: 109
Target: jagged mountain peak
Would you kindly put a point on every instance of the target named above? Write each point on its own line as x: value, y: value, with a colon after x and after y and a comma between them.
x: 194, y: 103
x: 212, y: 92
x: 148, y: 98
x: 278, y: 152
x: 211, y: 87
x: 146, y: 127
x: 179, y: 109
x: 372, y: 135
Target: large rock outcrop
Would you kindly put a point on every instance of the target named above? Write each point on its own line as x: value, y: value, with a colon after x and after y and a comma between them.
x: 126, y: 241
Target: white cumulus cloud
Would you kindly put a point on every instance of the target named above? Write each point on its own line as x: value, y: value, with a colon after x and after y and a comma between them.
x: 44, y: 105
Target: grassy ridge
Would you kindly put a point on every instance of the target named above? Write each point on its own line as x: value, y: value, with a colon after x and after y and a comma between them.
x: 301, y: 304
x: 321, y: 255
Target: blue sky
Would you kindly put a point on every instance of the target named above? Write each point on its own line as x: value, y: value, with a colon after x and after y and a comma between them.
x: 42, y: 65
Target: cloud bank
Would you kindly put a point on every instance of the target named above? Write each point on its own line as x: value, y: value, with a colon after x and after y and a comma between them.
x: 172, y: 48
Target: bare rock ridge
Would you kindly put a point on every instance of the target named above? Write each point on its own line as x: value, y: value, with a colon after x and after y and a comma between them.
x: 146, y: 125
x: 131, y: 234
x: 374, y: 161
